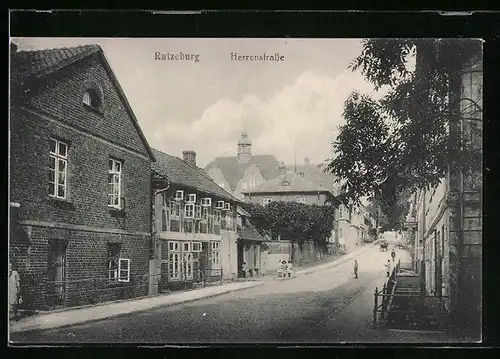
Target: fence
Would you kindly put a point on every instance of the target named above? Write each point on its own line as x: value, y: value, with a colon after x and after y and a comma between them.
x: 436, y: 316
x: 49, y: 295
x: 386, y: 295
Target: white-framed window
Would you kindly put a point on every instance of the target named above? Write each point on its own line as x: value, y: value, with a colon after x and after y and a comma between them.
x: 58, y: 169
x: 191, y: 198
x: 196, y: 247
x: 197, y: 211
x: 173, y: 259
x: 175, y: 210
x: 301, y: 200
x: 266, y: 201
x: 92, y: 99
x: 189, y: 210
x: 187, y: 264
x: 115, y: 183
x: 179, y: 195
x: 205, y: 211
x: 217, y: 216
x: 206, y: 202
x: 214, y: 254
x: 227, y: 206
x: 186, y: 247
x: 118, y: 268
x: 219, y: 204
x: 124, y: 270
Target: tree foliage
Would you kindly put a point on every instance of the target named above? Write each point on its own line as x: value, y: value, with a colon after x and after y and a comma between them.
x: 293, y: 221
x: 407, y: 139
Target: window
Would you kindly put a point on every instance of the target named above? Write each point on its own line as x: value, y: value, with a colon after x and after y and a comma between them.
x: 58, y: 169
x: 173, y: 259
x: 196, y: 247
x: 191, y: 198
x: 91, y: 98
x: 118, y: 268
x: 301, y: 200
x: 219, y: 204
x: 204, y: 213
x: 214, y: 254
x: 243, y: 185
x: 187, y: 264
x: 179, y: 195
x: 206, y: 202
x: 285, y: 183
x: 114, y: 180
x: 229, y: 221
x: 175, y: 210
x: 227, y: 206
x: 217, y: 216
x: 189, y: 210
x: 197, y: 212
x: 266, y: 201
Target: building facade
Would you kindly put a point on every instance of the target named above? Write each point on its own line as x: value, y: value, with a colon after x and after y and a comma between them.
x: 79, y: 181
x: 195, y: 238
x: 446, y: 221
x: 244, y: 171
x: 251, y: 251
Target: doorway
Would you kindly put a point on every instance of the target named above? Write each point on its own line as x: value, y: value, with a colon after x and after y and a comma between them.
x: 56, y: 268
x: 240, y: 258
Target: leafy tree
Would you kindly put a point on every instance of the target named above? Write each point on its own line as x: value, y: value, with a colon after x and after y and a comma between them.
x: 294, y: 221
x: 411, y: 137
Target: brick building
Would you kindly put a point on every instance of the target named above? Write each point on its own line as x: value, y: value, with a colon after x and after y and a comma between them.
x: 80, y: 189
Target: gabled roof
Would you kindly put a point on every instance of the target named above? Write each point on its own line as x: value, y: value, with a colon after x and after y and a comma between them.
x: 39, y: 63
x: 182, y: 174
x: 242, y: 212
x: 234, y: 171
x: 315, y: 173
x: 289, y: 182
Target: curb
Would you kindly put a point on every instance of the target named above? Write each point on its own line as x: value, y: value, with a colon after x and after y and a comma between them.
x: 336, y: 263
x: 41, y: 327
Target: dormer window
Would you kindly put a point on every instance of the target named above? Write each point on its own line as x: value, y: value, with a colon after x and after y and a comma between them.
x: 285, y: 183
x: 91, y: 98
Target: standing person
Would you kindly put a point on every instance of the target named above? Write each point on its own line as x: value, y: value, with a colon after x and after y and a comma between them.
x: 355, y: 269
x: 388, y: 267
x: 244, y: 270
x: 393, y: 255
x: 14, y: 289
x: 289, y: 268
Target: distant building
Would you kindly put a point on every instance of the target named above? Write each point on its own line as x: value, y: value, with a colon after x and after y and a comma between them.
x: 194, y: 224
x: 243, y: 171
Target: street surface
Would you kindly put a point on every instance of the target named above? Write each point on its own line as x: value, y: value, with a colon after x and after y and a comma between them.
x: 327, y: 306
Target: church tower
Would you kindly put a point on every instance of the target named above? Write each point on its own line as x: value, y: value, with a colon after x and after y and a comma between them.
x: 244, y: 148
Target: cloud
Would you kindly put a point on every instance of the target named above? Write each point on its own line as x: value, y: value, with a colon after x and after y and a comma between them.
x: 309, y: 110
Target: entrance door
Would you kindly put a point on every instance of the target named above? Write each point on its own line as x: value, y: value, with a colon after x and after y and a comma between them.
x: 240, y: 257
x: 57, y: 271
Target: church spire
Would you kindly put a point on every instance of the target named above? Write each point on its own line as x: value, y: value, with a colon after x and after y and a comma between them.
x: 244, y: 147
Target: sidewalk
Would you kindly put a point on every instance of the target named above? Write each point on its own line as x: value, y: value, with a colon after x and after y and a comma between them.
x: 80, y: 315
x: 337, y: 261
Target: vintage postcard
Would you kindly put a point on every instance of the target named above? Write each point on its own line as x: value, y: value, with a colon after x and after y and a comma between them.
x: 250, y: 190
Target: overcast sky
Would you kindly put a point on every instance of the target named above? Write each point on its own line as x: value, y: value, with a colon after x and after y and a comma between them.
x: 205, y: 105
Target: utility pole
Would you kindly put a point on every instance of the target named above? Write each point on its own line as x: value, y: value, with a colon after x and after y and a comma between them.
x: 295, y: 153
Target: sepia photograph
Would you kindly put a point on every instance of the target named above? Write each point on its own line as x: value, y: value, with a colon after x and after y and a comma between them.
x: 245, y: 190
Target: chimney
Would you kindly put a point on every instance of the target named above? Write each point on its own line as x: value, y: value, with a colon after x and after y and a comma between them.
x: 13, y: 48
x: 189, y: 157
x: 307, y: 161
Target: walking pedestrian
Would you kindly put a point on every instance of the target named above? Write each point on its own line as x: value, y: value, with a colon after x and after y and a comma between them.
x: 355, y: 269
x: 393, y: 255
x: 14, y: 290
x: 388, y: 267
